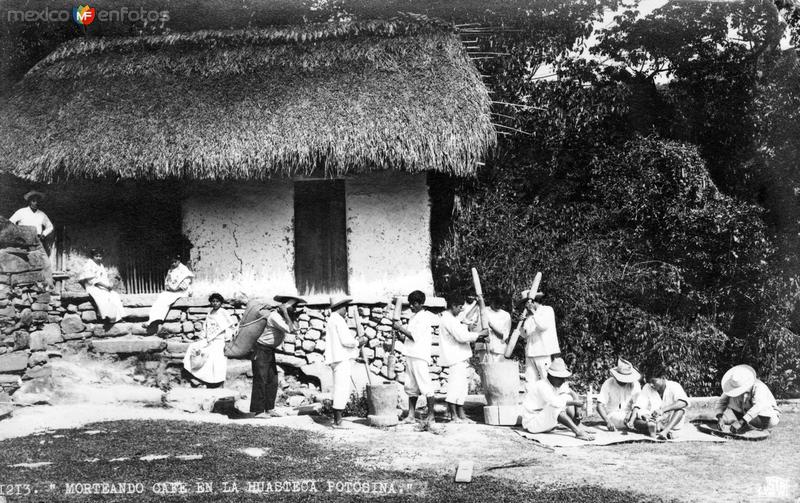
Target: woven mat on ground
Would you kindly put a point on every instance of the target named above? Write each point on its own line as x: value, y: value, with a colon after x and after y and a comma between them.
x: 562, y: 437
x: 752, y: 435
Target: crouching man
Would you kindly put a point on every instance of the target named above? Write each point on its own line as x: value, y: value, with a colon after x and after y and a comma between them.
x: 617, y: 394
x: 549, y: 402
x: 746, y: 402
x: 660, y: 408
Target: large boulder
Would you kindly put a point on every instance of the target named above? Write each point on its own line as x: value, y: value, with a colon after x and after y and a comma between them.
x: 34, y: 392
x: 14, y: 263
x: 321, y: 372
x: 72, y: 324
x: 12, y: 236
x: 13, y: 362
x: 128, y: 345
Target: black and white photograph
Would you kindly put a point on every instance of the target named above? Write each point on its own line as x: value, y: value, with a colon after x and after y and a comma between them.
x: 400, y: 250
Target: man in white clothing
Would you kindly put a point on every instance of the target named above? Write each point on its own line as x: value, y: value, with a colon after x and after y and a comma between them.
x: 660, y: 408
x: 499, y: 321
x: 341, y: 348
x: 617, y: 395
x: 550, y: 401
x: 539, y: 331
x: 418, y: 337
x: 455, y: 351
x: 746, y: 402
x: 32, y: 216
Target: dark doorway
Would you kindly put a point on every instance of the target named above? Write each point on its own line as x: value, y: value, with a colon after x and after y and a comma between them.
x: 320, y: 237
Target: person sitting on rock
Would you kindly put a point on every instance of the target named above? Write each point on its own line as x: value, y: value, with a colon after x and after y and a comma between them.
x: 746, y: 402
x: 341, y: 350
x: 94, y: 277
x: 176, y: 285
x: 617, y: 395
x: 549, y: 402
x: 660, y: 408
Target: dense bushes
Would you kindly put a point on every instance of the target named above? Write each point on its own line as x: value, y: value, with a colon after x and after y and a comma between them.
x: 653, y: 263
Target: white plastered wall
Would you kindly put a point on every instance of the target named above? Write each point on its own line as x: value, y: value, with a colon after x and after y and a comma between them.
x: 243, y: 238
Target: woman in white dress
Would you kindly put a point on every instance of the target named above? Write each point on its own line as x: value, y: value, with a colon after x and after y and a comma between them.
x: 176, y: 285
x: 94, y: 278
x: 209, y: 363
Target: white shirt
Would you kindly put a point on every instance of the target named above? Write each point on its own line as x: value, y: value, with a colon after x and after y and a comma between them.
x: 26, y: 216
x: 650, y: 401
x: 275, y: 331
x: 543, y: 394
x: 340, y: 344
x: 500, y: 320
x: 614, y: 396
x: 539, y: 330
x: 420, y: 326
x: 454, y: 340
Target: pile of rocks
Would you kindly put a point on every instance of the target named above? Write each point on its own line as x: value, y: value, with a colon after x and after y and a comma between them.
x: 38, y: 324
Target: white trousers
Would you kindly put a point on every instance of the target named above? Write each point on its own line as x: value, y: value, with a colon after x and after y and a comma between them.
x: 457, y: 386
x: 109, y: 303
x: 418, y: 378
x: 160, y: 308
x: 342, y: 383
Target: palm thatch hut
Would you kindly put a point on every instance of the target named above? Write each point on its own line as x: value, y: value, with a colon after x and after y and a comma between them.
x: 291, y: 158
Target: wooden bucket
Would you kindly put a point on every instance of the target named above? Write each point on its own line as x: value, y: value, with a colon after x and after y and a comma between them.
x: 501, y: 382
x: 382, y: 404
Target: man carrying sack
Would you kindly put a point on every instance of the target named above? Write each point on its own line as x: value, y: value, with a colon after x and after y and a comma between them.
x: 265, y: 369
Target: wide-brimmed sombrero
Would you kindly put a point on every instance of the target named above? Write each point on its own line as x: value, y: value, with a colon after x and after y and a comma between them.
x: 558, y: 368
x: 624, y: 372
x: 737, y: 380
x: 340, y: 300
x: 281, y: 299
x: 33, y: 193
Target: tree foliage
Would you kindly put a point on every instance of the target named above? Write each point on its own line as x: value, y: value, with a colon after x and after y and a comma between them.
x: 655, y: 186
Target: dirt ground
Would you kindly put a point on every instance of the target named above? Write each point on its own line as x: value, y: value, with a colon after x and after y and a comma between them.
x: 730, y: 471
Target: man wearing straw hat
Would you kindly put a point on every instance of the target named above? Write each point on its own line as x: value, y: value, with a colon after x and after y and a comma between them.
x: 341, y: 349
x: 32, y: 216
x: 746, y: 402
x: 617, y: 394
x: 549, y: 402
x: 265, y: 368
x: 539, y: 331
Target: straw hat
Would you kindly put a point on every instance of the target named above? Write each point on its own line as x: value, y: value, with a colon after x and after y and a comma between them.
x: 558, y: 368
x: 339, y: 300
x: 624, y: 371
x: 737, y: 380
x: 33, y: 193
x: 286, y: 298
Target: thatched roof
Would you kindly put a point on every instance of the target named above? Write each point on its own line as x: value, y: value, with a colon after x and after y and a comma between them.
x: 250, y: 104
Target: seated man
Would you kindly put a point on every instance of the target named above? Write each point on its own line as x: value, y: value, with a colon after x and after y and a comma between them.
x: 660, y: 408
x: 617, y: 394
x: 746, y: 402
x: 550, y: 401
